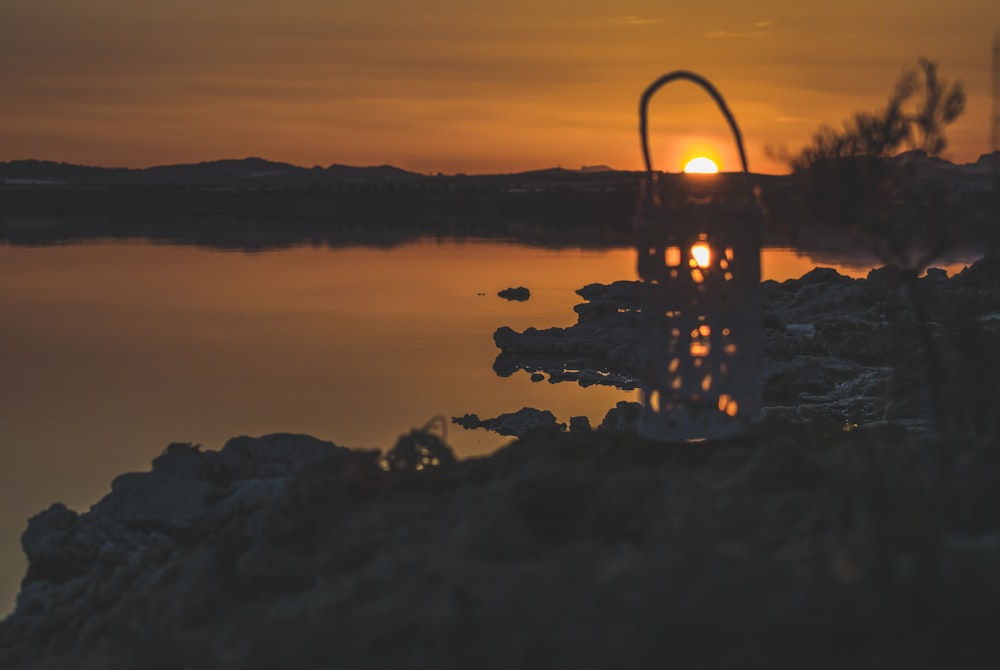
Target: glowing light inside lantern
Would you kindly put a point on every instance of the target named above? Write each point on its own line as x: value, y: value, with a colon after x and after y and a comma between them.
x: 673, y: 256
x: 701, y: 255
x: 699, y: 349
x: 728, y: 405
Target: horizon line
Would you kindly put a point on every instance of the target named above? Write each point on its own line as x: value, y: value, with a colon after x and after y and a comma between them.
x: 595, y: 168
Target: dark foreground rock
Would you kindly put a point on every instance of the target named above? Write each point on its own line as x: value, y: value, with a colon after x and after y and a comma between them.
x: 806, y: 547
x: 186, y: 495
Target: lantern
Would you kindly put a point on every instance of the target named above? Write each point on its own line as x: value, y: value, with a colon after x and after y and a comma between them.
x: 698, y: 240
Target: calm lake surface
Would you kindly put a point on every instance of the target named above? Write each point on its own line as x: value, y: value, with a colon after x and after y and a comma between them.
x: 110, y: 351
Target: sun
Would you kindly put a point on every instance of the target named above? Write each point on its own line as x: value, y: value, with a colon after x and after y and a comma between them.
x: 701, y: 165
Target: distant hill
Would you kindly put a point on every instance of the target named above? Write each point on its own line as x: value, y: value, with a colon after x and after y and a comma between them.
x: 930, y: 164
x: 253, y: 173
x: 238, y: 173
x: 257, y: 173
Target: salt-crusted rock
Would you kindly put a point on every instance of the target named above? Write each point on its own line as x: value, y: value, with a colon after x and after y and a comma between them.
x: 60, y: 544
x: 519, y: 294
x: 153, y: 500
x: 862, y: 341
x: 595, y: 310
x: 814, y: 300
x: 183, y: 460
x: 622, y: 292
x: 817, y: 275
x: 512, y: 423
x: 823, y: 318
x: 271, y: 456
x: 187, y: 493
x: 188, y: 489
x: 622, y: 417
x: 772, y: 321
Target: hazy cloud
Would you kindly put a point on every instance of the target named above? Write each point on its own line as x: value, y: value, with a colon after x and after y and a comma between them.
x: 444, y: 82
x: 636, y: 20
x: 716, y: 34
x: 796, y: 119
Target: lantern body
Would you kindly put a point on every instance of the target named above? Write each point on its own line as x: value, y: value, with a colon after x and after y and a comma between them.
x: 699, y: 341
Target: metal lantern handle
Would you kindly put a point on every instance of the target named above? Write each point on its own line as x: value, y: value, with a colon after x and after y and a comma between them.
x: 711, y: 90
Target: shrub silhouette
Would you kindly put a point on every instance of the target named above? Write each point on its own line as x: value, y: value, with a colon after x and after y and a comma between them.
x: 864, y: 182
x: 858, y: 180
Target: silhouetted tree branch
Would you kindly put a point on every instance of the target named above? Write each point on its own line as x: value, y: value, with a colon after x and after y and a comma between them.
x: 858, y: 182
x: 899, y: 126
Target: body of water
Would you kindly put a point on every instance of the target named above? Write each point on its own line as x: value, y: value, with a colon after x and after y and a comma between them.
x: 110, y: 351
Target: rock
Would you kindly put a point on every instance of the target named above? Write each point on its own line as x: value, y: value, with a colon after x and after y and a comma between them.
x: 61, y: 544
x: 469, y: 420
x: 516, y: 559
x: 188, y: 489
x: 907, y: 393
x: 587, y: 377
x: 795, y: 340
x: 519, y: 294
x: 937, y: 274
x: 579, y: 424
x: 57, y: 546
x: 158, y: 501
x: 984, y: 273
x: 816, y: 300
x: 187, y: 493
x: 823, y: 317
x: 622, y: 417
x: 816, y: 276
x: 271, y: 456
x: 531, y: 340
x: 771, y: 321
x: 183, y: 459
x: 537, y: 377
x: 593, y: 291
x: 865, y: 342
x: 889, y: 273
x: 244, y: 495
x: 513, y: 423
x: 595, y: 310
x: 623, y: 292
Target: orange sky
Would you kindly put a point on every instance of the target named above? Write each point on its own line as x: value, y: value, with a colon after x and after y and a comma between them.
x: 460, y: 86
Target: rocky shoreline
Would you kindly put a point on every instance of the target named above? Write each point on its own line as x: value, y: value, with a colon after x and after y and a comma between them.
x: 837, y: 536
x: 834, y: 347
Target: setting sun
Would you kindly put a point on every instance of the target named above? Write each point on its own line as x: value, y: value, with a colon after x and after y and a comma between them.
x: 701, y: 165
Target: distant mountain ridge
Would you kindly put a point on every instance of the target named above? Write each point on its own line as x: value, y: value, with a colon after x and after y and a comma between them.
x: 244, y: 172
x: 257, y: 172
x: 983, y: 165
